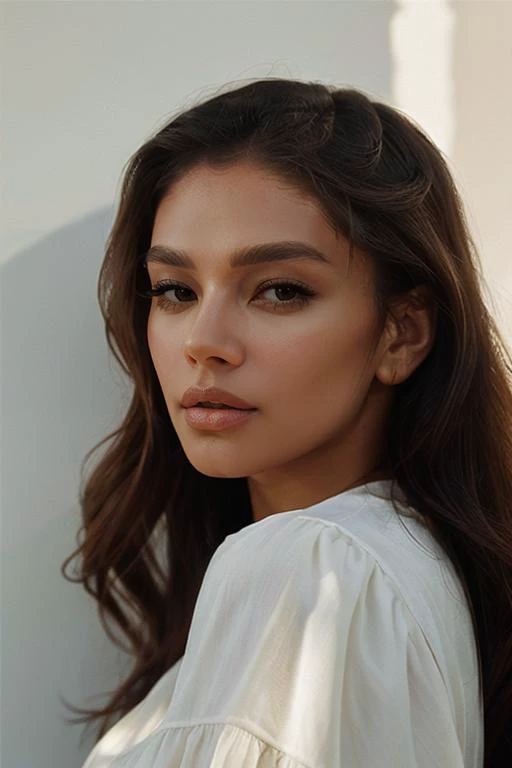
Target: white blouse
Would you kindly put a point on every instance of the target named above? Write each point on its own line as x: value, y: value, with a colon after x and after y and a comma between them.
x: 325, y: 637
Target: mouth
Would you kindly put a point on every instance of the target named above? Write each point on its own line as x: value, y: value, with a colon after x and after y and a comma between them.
x: 213, y: 406
x: 213, y: 397
x: 217, y: 418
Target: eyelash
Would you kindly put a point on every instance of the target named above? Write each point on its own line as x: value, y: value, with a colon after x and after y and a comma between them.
x: 305, y: 293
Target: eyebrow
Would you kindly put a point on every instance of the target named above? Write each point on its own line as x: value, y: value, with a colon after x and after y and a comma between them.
x: 243, y: 257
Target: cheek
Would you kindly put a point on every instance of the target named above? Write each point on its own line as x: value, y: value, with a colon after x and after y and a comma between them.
x: 321, y: 364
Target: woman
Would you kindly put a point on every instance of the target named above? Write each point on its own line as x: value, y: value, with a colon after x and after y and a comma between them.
x: 320, y: 425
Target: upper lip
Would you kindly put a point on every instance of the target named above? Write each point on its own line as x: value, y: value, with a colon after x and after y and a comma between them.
x: 195, y: 395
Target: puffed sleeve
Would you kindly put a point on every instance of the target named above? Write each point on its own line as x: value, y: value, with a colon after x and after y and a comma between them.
x: 303, y: 654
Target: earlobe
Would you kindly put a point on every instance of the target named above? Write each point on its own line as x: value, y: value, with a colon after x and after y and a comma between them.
x: 389, y: 374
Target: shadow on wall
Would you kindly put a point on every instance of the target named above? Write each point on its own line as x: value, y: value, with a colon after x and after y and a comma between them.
x: 61, y: 393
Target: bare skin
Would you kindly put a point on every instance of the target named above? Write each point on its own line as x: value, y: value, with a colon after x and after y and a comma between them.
x: 321, y: 372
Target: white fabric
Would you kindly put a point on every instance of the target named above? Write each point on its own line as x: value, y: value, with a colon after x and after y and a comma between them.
x: 325, y: 637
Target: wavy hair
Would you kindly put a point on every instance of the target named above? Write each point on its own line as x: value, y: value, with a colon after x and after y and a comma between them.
x: 385, y: 186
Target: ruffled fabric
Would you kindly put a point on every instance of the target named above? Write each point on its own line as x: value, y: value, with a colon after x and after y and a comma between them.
x: 203, y: 744
x: 313, y: 646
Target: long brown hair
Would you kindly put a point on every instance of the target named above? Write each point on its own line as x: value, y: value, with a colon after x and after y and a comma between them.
x: 383, y: 184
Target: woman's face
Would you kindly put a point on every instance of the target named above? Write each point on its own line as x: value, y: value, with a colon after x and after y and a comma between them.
x: 305, y: 361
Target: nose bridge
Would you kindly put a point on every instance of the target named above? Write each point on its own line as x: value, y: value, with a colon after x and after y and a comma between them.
x: 213, y: 327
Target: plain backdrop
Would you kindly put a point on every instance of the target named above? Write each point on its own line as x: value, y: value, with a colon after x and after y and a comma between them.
x: 83, y: 84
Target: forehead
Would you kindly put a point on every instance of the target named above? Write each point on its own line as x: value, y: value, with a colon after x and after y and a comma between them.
x: 212, y: 212
x: 242, y: 201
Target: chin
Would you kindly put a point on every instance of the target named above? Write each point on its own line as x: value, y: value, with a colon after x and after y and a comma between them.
x: 209, y: 471
x: 210, y: 462
x: 214, y: 462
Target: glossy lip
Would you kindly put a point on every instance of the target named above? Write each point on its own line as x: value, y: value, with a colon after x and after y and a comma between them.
x: 215, y: 419
x: 194, y: 395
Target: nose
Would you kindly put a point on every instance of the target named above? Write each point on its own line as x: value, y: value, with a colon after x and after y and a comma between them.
x: 214, y: 335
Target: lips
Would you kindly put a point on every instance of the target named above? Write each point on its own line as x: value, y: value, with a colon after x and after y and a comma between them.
x: 220, y: 406
x: 219, y: 419
x: 195, y: 395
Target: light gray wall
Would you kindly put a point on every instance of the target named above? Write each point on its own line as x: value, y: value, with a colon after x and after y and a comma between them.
x: 482, y: 155
x: 84, y: 83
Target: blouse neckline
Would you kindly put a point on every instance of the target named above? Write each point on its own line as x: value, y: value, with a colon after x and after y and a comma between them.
x: 376, y: 489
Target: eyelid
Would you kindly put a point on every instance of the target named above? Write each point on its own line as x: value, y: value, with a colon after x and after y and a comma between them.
x: 269, y: 283
x: 305, y: 294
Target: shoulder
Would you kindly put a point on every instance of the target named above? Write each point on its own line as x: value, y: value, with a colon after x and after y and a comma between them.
x: 349, y: 541
x: 316, y: 563
x: 357, y: 551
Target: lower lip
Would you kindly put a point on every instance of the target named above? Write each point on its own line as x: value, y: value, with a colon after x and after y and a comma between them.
x: 215, y: 419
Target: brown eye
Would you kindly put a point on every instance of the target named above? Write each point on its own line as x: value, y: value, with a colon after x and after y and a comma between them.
x: 282, y: 289
x: 165, y: 286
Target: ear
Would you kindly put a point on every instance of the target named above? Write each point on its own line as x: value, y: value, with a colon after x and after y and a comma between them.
x: 408, y: 335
